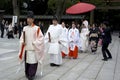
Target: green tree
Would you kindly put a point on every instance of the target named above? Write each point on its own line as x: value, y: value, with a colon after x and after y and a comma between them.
x: 10, y: 6
x: 2, y: 3
x: 97, y: 2
x: 6, y: 5
x: 58, y: 7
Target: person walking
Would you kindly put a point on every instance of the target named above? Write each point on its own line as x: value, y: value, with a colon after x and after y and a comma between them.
x: 106, y: 40
x: 55, y: 42
x: 65, y: 30
x: 32, y: 47
x: 20, y: 28
x: 84, y: 34
x: 73, y: 37
x: 2, y: 28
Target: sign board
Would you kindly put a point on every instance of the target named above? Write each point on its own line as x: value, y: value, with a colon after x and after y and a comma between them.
x: 14, y: 20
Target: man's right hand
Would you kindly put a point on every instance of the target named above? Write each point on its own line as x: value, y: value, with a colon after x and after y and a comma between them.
x: 49, y: 40
x: 71, y: 41
x: 24, y: 44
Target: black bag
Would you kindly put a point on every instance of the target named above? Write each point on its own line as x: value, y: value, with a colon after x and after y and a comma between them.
x: 10, y: 34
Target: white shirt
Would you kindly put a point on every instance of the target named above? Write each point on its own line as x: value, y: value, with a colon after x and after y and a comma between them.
x: 85, y: 23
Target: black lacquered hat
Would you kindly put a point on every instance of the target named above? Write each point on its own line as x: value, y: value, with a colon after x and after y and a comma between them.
x: 30, y: 14
x: 55, y: 18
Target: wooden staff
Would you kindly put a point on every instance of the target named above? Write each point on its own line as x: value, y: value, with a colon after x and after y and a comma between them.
x: 24, y: 36
x: 49, y: 36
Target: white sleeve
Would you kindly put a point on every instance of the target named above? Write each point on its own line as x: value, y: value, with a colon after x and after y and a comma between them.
x: 46, y: 38
x: 69, y: 36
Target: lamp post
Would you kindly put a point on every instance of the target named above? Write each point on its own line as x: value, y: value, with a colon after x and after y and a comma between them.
x: 107, y: 14
x: 107, y: 2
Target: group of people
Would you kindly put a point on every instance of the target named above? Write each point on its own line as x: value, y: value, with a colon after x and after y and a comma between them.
x: 10, y: 30
x: 14, y: 30
x: 60, y: 42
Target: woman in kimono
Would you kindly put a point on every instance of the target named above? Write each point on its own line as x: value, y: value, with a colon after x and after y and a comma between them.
x: 74, y: 43
x: 65, y: 32
x: 93, y: 38
x: 84, y: 38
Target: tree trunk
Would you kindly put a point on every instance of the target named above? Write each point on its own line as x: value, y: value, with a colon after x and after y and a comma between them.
x: 16, y: 10
x: 92, y: 17
x: 60, y: 8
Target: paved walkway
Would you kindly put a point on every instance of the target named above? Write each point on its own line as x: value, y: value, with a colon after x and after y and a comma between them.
x: 86, y: 67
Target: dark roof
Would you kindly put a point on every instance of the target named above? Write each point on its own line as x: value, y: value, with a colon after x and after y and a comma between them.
x: 106, y: 0
x: 115, y: 0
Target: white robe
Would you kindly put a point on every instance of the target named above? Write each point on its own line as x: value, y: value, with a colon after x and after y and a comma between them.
x: 54, y: 48
x: 34, y: 44
x: 85, y: 22
x: 84, y: 39
x: 65, y: 31
x: 74, y: 38
x: 65, y: 36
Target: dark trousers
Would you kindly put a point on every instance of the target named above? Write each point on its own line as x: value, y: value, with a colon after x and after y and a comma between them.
x: 2, y: 33
x: 30, y: 69
x: 19, y: 34
x: 105, y: 51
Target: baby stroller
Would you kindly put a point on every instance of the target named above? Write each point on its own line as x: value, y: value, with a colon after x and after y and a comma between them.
x: 10, y: 35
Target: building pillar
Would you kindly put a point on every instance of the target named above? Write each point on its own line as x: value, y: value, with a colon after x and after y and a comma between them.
x: 92, y: 17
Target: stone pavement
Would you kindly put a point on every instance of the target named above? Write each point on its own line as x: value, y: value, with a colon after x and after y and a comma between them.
x: 86, y: 67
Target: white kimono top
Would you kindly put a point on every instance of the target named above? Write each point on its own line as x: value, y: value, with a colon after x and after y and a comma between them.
x: 57, y: 34
x: 74, y: 38
x: 84, y: 38
x: 34, y: 41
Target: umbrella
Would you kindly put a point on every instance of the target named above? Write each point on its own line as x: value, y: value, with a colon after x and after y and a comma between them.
x: 80, y: 7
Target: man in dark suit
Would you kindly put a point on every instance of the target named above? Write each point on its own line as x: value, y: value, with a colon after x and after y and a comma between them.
x: 2, y: 28
x: 106, y: 36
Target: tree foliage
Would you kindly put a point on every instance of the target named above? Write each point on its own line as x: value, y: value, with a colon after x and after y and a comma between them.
x: 97, y: 2
x: 53, y: 4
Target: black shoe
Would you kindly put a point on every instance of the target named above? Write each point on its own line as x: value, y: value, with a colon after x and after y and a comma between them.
x: 57, y: 65
x: 74, y: 58
x: 30, y: 78
x: 27, y: 76
x: 104, y: 59
x: 63, y: 57
x: 52, y: 64
x: 109, y: 58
